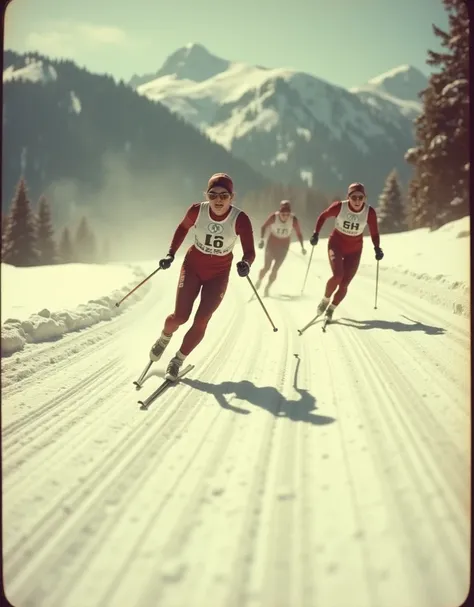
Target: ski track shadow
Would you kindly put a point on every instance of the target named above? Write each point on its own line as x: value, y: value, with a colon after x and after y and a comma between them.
x: 265, y: 397
x: 392, y: 325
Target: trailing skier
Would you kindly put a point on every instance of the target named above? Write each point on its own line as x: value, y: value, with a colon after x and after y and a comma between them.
x: 281, y: 225
x: 345, y: 243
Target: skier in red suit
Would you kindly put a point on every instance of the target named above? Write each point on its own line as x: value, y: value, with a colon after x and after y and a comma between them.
x: 206, y: 267
x: 345, y: 242
x: 280, y: 224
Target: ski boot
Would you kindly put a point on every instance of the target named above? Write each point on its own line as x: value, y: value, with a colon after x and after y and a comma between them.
x: 159, y: 347
x: 174, y: 367
x: 329, y: 313
x: 322, y: 306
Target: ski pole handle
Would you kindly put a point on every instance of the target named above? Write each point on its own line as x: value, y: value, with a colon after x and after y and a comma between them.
x: 262, y: 304
x: 135, y: 288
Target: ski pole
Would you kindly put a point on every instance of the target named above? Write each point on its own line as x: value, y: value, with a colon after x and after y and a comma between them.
x: 262, y: 304
x: 135, y: 288
x: 376, y: 285
x: 307, y: 269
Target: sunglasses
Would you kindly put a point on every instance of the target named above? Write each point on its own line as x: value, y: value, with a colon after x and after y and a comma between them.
x: 221, y: 195
x: 358, y: 198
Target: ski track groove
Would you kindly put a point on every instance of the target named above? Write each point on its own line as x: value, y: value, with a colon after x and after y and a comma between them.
x: 187, y: 521
x: 399, y: 429
x: 38, y: 418
x: 425, y: 415
x: 413, y: 421
x: 156, y: 588
x: 140, y: 543
x: 82, y: 438
x: 357, y: 508
x: 237, y: 593
x: 75, y: 497
x: 401, y: 437
x: 380, y: 454
x: 436, y: 428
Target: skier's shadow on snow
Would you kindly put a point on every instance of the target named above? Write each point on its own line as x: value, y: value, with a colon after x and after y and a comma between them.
x: 389, y: 324
x: 267, y: 398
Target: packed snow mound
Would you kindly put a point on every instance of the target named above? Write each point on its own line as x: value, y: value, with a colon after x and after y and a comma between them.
x: 74, y: 295
x: 433, y: 264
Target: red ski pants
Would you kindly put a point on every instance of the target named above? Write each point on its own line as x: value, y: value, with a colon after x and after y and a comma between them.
x: 274, y: 252
x: 344, y: 267
x: 190, y: 283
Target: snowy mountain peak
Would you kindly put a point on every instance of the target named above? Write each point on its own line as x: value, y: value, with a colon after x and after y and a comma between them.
x: 193, y: 62
x: 190, y: 62
x: 33, y: 70
x: 403, y: 82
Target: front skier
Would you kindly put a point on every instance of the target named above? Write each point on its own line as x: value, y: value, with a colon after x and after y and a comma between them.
x: 281, y: 224
x: 206, y: 266
x: 345, y: 243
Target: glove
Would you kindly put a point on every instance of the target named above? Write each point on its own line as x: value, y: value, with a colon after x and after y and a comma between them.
x: 314, y: 239
x: 303, y: 250
x: 166, y: 261
x: 378, y: 253
x: 243, y: 268
x: 261, y: 244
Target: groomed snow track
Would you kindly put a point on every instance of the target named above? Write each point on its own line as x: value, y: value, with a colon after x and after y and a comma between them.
x: 331, y: 469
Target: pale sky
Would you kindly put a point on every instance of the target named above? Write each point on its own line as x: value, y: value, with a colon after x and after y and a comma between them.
x: 345, y: 42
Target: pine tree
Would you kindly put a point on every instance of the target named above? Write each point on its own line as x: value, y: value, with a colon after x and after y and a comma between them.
x: 66, y: 252
x: 105, y: 254
x: 391, y: 210
x: 85, y: 243
x: 20, y: 239
x: 5, y: 222
x: 441, y: 157
x: 45, y: 234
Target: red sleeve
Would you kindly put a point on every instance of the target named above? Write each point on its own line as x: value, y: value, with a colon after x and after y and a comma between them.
x: 243, y: 227
x: 296, y: 227
x: 268, y: 222
x: 331, y: 211
x: 373, y: 226
x: 181, y: 231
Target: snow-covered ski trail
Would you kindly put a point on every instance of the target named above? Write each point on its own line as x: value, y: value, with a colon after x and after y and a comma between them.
x: 327, y: 469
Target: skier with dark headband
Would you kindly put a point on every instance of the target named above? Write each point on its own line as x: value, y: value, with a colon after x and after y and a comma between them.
x: 345, y: 243
x: 206, y: 267
x: 280, y: 225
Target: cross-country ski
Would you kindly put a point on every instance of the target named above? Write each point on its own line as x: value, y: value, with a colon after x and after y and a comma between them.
x: 145, y: 403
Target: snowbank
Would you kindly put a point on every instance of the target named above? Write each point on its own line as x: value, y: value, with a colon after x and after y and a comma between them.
x: 432, y: 265
x: 42, y: 304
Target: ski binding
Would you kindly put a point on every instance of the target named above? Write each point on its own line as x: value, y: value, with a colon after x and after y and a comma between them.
x: 162, y: 387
